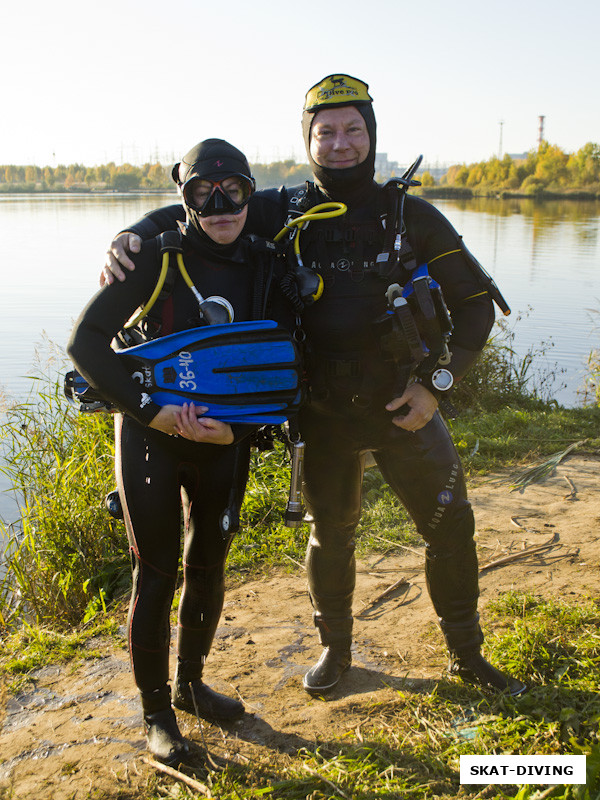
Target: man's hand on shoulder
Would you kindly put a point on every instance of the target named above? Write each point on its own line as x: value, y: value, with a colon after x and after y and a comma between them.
x: 117, y: 258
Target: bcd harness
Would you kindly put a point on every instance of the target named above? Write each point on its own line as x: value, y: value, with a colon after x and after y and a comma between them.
x: 155, y: 318
x: 415, y: 331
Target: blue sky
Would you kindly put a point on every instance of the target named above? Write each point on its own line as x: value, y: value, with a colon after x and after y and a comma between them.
x: 130, y: 80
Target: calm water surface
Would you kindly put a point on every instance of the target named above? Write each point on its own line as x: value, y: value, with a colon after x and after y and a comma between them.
x: 544, y: 256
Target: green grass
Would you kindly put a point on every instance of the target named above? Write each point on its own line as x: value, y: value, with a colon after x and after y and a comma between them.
x: 66, y: 555
x: 492, y: 440
x: 30, y: 647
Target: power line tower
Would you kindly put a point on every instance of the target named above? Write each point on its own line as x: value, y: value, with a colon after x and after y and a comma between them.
x: 501, y: 124
x: 541, y: 131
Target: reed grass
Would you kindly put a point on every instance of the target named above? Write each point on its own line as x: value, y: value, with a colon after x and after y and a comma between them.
x: 65, y: 554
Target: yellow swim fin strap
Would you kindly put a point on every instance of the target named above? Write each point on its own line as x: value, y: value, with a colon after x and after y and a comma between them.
x: 136, y: 317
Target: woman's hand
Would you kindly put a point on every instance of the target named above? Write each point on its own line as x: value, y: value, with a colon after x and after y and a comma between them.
x: 202, y: 429
x: 167, y: 420
x: 184, y: 421
x: 422, y: 406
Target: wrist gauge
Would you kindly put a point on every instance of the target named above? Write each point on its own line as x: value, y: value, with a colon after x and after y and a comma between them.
x: 442, y: 380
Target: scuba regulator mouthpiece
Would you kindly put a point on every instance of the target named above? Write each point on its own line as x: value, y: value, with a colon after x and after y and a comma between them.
x: 309, y: 284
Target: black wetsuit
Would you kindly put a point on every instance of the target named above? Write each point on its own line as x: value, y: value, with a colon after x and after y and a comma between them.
x: 156, y: 473
x: 346, y: 418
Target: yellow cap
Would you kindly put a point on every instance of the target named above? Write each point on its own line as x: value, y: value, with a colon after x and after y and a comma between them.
x: 337, y: 90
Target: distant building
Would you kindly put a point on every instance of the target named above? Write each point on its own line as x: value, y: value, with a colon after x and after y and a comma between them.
x: 385, y: 169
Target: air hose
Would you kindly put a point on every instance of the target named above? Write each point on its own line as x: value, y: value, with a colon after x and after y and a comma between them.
x: 133, y: 321
x: 310, y: 283
x: 214, y: 310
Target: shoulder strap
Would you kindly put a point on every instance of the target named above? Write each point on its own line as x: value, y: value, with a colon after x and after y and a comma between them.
x: 301, y: 198
x: 150, y: 325
x: 397, y: 251
x: 262, y: 253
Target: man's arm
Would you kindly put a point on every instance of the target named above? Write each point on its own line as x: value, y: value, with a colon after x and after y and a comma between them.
x: 435, y: 242
x: 267, y: 212
x: 130, y: 240
x: 472, y: 310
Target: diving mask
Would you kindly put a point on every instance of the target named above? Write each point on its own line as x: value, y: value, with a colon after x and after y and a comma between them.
x: 226, y: 196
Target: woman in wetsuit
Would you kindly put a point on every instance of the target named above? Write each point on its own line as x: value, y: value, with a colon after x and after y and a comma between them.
x: 159, y: 463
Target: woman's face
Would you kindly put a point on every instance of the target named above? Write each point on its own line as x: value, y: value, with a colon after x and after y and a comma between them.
x: 221, y: 228
x: 224, y: 228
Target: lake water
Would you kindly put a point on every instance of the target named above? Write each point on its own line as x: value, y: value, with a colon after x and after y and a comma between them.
x: 544, y: 256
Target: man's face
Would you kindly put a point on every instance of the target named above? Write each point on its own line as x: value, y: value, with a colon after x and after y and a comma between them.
x: 339, y: 138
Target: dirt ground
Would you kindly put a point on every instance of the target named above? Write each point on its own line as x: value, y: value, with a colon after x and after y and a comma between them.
x: 76, y: 733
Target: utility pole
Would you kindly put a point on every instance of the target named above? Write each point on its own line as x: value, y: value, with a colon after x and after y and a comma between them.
x: 501, y: 123
x: 541, y: 131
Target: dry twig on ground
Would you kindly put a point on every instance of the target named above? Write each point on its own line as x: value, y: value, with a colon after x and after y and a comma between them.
x: 528, y: 551
x: 180, y: 776
x: 385, y: 593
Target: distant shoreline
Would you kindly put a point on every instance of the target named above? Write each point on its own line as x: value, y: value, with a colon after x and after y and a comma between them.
x: 86, y: 192
x: 461, y: 193
x: 429, y: 193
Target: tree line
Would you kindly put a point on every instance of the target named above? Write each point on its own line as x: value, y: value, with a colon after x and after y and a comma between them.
x: 547, y: 170
x: 127, y: 177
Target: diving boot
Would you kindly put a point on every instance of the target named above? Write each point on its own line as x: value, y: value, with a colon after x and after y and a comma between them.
x: 335, y: 634
x: 163, y: 736
x: 326, y: 673
x: 192, y: 695
x: 471, y: 667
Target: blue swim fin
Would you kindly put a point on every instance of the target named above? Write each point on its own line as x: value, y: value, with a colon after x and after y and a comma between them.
x: 236, y: 364
x: 240, y: 370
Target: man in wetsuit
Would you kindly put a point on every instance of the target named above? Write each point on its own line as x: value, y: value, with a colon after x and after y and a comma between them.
x: 358, y: 403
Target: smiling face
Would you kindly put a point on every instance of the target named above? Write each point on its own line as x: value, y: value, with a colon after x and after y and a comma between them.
x: 339, y: 138
x: 224, y: 228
